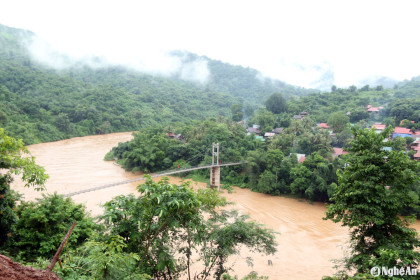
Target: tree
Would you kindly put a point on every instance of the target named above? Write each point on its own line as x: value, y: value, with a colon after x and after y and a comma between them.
x: 236, y: 111
x: 42, y: 225
x: 265, y: 119
x: 338, y: 121
x: 276, y: 103
x: 165, y: 226
x: 14, y: 163
x: 373, y: 190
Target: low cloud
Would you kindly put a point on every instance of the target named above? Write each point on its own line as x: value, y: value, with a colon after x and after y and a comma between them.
x: 148, y: 61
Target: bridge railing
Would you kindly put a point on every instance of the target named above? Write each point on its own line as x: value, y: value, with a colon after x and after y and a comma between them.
x: 153, y: 175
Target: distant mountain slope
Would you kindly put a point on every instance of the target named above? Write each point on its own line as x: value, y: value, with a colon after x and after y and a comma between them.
x: 246, y: 83
x: 40, y: 103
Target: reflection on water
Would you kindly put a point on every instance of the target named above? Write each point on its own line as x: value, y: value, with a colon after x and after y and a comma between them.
x: 307, y: 244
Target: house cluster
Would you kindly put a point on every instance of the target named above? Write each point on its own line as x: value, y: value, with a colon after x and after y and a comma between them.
x: 301, y: 116
x: 403, y: 132
x: 255, y: 129
x: 370, y: 108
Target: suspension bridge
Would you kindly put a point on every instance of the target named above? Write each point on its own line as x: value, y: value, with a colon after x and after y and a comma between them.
x: 214, y: 174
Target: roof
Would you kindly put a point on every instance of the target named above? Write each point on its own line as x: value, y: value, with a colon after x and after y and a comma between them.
x: 339, y: 151
x: 379, y: 126
x: 301, y: 159
x: 402, y: 130
x: 253, y: 130
x: 260, y: 138
x: 278, y: 130
x: 269, y: 134
x: 373, y: 109
x: 323, y: 125
x: 298, y: 117
x: 304, y: 113
x: 369, y: 106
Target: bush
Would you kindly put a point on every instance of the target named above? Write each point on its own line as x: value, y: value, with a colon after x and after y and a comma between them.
x: 43, y: 224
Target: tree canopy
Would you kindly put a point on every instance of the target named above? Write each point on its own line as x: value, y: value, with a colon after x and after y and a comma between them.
x: 276, y: 103
x: 373, y: 191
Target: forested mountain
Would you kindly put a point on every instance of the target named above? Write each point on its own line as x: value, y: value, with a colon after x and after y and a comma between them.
x: 40, y: 103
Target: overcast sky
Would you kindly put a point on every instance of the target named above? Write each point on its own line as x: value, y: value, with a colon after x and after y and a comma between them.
x: 299, y: 42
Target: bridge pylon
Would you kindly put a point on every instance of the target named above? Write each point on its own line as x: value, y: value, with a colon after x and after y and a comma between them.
x: 215, y: 168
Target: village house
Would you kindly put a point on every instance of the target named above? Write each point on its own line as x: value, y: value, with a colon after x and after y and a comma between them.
x: 338, y: 152
x: 252, y: 130
x: 269, y: 135
x: 379, y: 127
x: 416, y: 147
x: 323, y: 125
x: 401, y: 132
x: 278, y: 130
x: 301, y: 116
x: 300, y: 157
x: 416, y: 135
x: 371, y: 109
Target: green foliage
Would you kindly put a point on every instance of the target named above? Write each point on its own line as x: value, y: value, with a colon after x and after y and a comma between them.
x: 15, y: 159
x: 43, y: 224
x: 153, y: 150
x: 236, y: 111
x: 11, y: 159
x: 276, y: 103
x: 150, y: 224
x: 97, y: 259
x: 373, y: 190
x: 265, y: 119
x: 224, y: 234
x: 165, y: 225
x: 8, y: 218
x: 338, y: 121
x: 41, y: 104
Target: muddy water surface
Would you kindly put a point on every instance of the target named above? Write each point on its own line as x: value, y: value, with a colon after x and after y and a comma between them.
x: 306, y: 242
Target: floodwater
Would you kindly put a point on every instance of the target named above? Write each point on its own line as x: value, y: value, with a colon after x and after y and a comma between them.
x: 306, y: 243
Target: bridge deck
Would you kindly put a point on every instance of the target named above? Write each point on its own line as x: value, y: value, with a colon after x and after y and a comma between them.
x: 159, y: 174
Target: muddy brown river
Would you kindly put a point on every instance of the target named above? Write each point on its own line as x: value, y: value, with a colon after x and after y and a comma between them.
x: 306, y: 243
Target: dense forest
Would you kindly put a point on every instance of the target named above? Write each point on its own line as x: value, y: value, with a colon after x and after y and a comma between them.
x: 40, y: 103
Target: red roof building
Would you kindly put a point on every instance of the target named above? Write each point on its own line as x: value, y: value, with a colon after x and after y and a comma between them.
x: 339, y: 152
x: 402, y: 130
x: 373, y: 109
x: 379, y: 126
x: 417, y: 155
x: 301, y: 159
x: 323, y: 125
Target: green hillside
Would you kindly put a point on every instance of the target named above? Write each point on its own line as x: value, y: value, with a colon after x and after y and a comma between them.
x: 39, y: 103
